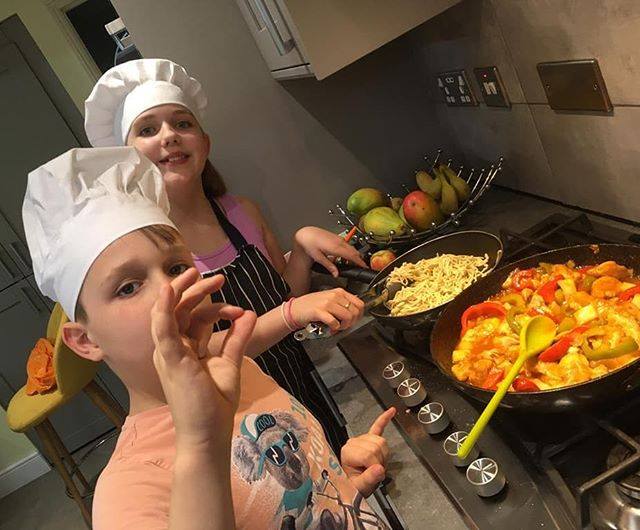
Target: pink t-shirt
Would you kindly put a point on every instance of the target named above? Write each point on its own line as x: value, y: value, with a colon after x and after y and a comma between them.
x: 238, y: 216
x: 283, y: 473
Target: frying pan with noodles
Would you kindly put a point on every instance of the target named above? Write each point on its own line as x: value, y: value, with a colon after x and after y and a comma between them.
x: 446, y: 334
x: 469, y: 242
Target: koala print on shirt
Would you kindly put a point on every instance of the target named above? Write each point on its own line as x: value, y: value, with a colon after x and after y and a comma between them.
x: 283, y: 456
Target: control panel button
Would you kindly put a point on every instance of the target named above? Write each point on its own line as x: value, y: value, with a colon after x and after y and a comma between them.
x: 412, y: 392
x: 394, y: 373
x: 486, y: 477
x: 453, y: 443
x: 433, y: 417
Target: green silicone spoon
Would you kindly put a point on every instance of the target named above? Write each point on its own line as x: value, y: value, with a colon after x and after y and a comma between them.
x: 535, y: 337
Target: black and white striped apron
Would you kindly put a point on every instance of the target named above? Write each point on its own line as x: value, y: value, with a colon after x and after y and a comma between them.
x: 253, y: 283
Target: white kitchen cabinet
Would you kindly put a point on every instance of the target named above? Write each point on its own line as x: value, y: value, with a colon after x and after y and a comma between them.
x: 299, y: 38
x: 275, y: 34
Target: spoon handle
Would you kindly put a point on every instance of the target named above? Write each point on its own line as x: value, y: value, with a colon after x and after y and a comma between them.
x: 491, y: 407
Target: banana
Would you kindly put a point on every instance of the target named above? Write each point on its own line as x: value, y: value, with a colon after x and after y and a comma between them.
x: 428, y: 184
x: 449, y: 199
x: 459, y: 184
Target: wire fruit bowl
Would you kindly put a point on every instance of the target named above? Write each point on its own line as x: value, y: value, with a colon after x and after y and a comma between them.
x: 479, y: 181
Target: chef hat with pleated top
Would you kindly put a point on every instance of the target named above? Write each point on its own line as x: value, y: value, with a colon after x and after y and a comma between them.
x: 129, y: 89
x: 79, y: 203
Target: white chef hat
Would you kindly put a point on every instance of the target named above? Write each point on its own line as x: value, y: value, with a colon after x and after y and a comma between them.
x: 79, y: 203
x: 129, y: 89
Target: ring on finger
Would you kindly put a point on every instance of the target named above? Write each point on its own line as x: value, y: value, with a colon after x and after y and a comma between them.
x: 347, y: 305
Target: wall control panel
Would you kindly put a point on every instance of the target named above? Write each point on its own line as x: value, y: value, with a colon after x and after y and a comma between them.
x: 491, y: 86
x: 456, y: 89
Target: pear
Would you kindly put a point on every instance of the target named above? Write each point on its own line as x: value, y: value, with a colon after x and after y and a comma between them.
x: 449, y: 199
x: 428, y: 184
x: 459, y: 184
x: 396, y: 203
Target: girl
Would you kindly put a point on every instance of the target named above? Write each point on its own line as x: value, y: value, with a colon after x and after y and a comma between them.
x: 153, y: 105
x: 103, y: 247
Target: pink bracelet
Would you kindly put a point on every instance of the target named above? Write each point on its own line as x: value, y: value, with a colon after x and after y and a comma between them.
x: 284, y: 317
x: 295, y: 323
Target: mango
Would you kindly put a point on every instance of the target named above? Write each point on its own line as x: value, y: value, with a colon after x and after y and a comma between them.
x: 379, y: 260
x: 421, y: 210
x: 361, y: 223
x: 381, y: 220
x: 365, y: 199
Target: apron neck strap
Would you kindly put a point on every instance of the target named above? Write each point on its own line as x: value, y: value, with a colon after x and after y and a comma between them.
x: 234, y: 235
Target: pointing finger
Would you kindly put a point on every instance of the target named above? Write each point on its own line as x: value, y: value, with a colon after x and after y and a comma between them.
x: 382, y: 421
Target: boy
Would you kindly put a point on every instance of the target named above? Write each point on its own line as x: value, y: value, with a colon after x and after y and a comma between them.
x: 103, y: 246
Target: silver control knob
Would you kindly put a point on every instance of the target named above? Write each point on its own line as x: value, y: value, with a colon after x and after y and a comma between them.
x: 453, y: 443
x: 486, y: 477
x: 433, y: 417
x: 412, y: 392
x: 395, y: 373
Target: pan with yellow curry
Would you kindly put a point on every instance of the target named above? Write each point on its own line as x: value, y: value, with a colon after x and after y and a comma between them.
x: 591, y: 292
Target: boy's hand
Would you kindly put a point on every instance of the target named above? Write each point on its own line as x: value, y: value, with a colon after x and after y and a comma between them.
x: 323, y: 246
x: 202, y: 390
x: 364, y: 457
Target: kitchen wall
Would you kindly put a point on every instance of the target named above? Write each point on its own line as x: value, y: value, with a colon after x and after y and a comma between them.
x: 585, y: 159
x: 297, y: 147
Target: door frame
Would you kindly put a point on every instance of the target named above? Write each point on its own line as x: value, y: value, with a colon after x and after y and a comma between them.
x: 58, y: 9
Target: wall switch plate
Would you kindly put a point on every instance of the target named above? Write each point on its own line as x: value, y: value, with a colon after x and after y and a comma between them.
x: 575, y: 85
x: 491, y: 87
x: 456, y: 89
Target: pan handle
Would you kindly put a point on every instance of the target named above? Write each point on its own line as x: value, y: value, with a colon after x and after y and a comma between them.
x: 348, y: 271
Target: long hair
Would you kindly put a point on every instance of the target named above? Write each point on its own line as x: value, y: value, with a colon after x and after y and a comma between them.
x: 212, y: 182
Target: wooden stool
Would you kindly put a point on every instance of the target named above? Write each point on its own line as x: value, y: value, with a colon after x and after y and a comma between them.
x: 73, y: 375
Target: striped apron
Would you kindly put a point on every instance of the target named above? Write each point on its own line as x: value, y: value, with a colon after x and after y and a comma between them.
x: 253, y: 284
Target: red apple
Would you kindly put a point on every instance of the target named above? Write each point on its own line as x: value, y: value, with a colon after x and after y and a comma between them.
x: 421, y: 210
x: 379, y: 260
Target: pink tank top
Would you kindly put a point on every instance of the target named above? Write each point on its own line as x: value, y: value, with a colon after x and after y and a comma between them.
x: 222, y: 256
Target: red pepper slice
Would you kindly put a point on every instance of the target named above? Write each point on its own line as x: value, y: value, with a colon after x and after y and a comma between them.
x: 493, y: 378
x: 585, y: 269
x: 629, y: 293
x: 548, y: 290
x: 522, y: 384
x: 484, y: 309
x: 577, y: 331
x: 522, y: 279
x: 557, y: 351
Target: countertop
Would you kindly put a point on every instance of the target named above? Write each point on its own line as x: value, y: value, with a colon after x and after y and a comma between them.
x: 419, y: 499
